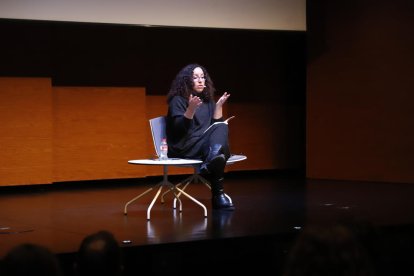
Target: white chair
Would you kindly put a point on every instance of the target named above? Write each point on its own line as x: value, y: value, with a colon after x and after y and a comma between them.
x: 158, y: 130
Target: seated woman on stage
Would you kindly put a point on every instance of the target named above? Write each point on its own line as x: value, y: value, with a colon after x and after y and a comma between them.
x: 191, y: 111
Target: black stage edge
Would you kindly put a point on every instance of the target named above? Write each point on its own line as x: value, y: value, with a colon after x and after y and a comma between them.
x: 231, y: 256
x: 390, y: 246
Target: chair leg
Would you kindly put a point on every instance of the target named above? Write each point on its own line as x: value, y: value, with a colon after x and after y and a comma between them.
x: 193, y: 199
x: 196, y: 178
x: 159, y: 185
x: 176, y: 191
x: 199, y: 178
x: 152, y: 202
x: 187, y: 181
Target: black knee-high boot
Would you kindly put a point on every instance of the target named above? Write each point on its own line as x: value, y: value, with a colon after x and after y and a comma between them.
x: 215, y: 160
x: 214, y: 168
x: 219, y: 200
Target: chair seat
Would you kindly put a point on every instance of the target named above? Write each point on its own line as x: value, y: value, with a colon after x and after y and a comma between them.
x: 169, y: 162
x: 236, y: 158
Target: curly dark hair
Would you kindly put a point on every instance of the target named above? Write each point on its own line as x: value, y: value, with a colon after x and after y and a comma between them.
x: 182, y: 85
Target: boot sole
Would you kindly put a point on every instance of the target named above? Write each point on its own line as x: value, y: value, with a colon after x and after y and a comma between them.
x: 230, y: 208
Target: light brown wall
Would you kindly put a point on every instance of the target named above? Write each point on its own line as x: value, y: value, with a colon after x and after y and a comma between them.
x: 25, y: 131
x: 360, y: 91
x: 96, y: 131
x: 57, y: 134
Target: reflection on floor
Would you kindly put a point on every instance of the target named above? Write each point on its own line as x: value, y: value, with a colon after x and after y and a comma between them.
x: 272, y: 208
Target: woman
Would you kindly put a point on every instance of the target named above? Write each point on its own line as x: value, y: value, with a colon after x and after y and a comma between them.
x: 191, y: 111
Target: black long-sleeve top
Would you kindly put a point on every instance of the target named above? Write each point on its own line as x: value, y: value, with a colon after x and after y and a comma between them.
x: 185, y: 136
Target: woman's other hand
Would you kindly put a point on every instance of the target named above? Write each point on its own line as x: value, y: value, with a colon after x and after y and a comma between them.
x: 222, y: 99
x: 193, y: 103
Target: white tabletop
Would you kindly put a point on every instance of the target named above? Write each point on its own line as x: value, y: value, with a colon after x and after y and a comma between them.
x: 170, y: 161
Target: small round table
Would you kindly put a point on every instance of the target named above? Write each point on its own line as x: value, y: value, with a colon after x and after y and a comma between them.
x: 165, y: 182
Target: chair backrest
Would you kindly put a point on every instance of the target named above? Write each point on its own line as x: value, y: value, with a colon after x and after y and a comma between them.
x: 158, y: 126
x: 158, y: 131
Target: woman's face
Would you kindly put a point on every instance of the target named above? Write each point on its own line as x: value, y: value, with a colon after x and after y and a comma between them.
x: 198, y: 80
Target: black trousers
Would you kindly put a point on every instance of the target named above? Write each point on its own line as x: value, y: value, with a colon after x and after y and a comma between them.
x: 216, y: 135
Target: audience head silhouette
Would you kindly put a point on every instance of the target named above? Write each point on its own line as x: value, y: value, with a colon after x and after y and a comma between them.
x: 328, y: 250
x: 30, y: 259
x: 99, y: 254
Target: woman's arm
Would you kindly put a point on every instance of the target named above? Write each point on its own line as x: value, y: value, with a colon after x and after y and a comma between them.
x: 178, y: 122
x: 193, y: 103
x: 218, y: 111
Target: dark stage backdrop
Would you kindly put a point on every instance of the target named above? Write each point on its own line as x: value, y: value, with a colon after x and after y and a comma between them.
x: 255, y: 64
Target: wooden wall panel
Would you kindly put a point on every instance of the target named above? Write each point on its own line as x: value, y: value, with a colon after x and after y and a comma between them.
x: 258, y: 132
x: 26, y: 131
x: 64, y: 134
x: 96, y: 131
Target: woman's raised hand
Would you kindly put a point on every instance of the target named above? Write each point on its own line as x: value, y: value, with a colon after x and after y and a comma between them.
x: 222, y: 99
x: 193, y: 103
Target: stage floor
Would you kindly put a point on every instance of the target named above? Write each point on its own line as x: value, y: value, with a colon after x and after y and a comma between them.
x: 270, y: 205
